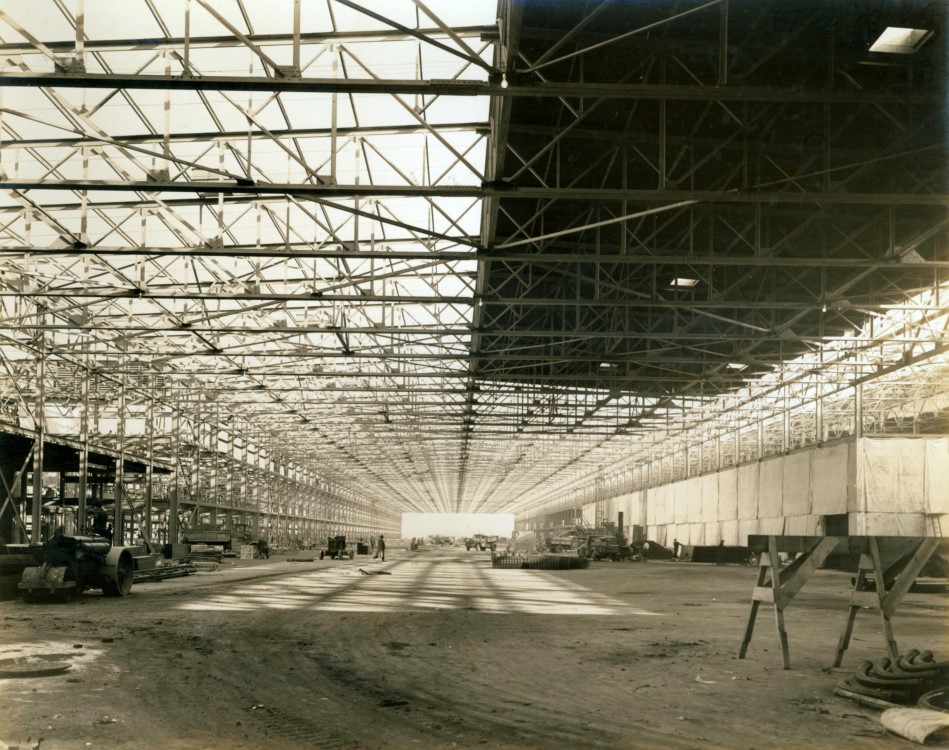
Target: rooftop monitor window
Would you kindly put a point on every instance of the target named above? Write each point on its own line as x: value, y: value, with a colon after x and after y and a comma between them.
x: 900, y: 41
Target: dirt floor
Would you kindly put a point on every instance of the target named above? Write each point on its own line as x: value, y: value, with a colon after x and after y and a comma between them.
x: 443, y: 651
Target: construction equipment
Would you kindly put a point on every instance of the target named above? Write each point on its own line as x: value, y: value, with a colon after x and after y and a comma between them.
x: 208, y: 535
x: 481, y: 542
x: 65, y: 566
x: 605, y: 544
x: 336, y: 549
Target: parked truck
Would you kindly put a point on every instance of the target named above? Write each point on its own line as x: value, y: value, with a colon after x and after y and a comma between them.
x: 563, y: 542
x: 481, y: 542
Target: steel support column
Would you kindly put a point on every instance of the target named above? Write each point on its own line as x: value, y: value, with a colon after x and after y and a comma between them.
x: 39, y: 419
x: 118, y: 527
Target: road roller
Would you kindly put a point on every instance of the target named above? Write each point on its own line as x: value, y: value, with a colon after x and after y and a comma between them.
x: 68, y: 565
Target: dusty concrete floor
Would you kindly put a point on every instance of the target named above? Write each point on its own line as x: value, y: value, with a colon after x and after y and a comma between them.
x: 446, y: 652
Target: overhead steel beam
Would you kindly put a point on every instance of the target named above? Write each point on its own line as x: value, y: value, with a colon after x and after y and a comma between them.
x: 519, y: 335
x: 226, y: 199
x: 224, y: 42
x: 419, y: 35
x: 489, y: 381
x: 381, y: 251
x: 486, y: 191
x: 555, y: 302
x: 500, y: 359
x: 435, y: 87
x: 233, y: 135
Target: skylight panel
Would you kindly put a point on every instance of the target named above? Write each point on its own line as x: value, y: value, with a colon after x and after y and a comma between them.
x: 898, y: 40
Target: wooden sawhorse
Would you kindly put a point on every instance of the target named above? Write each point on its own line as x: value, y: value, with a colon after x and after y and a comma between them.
x: 889, y: 588
x: 783, y: 585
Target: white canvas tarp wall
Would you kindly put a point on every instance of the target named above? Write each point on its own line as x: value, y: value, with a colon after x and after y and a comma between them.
x: 709, y: 504
x: 887, y: 486
x: 728, y: 496
x: 937, y: 476
x: 831, y: 471
x: 796, y: 489
x: 748, y: 491
x: 888, y: 524
x: 901, y: 486
x: 681, y: 492
x: 937, y: 483
x: 890, y: 475
x: 771, y: 487
x: 730, y: 533
x: 630, y: 505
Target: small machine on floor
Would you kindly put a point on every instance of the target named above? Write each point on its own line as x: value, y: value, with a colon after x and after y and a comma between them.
x: 336, y: 549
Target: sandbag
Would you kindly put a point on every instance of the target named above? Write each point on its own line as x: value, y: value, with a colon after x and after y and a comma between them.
x: 917, y: 724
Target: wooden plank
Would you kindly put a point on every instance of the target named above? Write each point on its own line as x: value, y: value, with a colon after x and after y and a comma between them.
x: 907, y: 576
x: 888, y: 635
x: 778, y: 606
x: 808, y: 565
x: 844, y: 640
x: 750, y: 625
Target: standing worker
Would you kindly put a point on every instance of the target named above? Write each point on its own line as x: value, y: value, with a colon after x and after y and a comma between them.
x: 100, y: 521
x: 380, y: 548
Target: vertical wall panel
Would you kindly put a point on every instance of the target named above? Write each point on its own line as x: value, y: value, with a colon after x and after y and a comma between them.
x: 746, y: 527
x: 889, y: 524
x: 730, y: 533
x: 728, y: 495
x: 893, y: 476
x: 680, y: 495
x: 713, y: 532
x: 831, y: 474
x: 796, y: 497
x: 693, y: 498
x: 937, y: 476
x: 710, y: 510
x: 770, y: 487
x: 748, y: 492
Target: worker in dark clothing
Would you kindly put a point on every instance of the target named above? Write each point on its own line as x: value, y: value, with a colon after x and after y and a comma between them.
x: 100, y: 521
x: 263, y: 549
x: 720, y: 553
x: 380, y: 548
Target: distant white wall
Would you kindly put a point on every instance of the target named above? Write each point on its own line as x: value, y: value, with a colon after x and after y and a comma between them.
x: 456, y: 524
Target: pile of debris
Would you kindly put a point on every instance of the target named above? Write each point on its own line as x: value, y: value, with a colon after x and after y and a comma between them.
x: 891, y: 683
x: 538, y: 562
x: 912, y: 691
